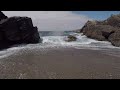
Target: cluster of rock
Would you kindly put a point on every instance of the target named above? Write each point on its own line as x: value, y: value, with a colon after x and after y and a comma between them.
x: 17, y: 30
x: 107, y: 30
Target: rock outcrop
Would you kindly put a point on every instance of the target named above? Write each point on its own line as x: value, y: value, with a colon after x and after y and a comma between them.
x: 107, y: 30
x: 17, y: 30
x: 71, y: 38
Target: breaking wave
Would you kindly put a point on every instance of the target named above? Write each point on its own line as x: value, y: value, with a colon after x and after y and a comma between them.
x: 52, y: 41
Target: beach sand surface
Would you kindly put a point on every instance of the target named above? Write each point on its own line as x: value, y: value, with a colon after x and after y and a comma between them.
x: 63, y: 63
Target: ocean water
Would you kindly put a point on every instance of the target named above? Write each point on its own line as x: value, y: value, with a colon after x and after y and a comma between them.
x: 58, y: 39
x: 55, y: 39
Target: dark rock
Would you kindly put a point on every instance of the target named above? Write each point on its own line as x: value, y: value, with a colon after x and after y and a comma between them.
x: 107, y: 34
x: 18, y: 30
x: 104, y: 30
x: 71, y: 38
x: 2, y: 16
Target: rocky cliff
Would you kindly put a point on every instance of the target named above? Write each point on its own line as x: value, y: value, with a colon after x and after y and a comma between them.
x: 17, y: 30
x: 107, y: 30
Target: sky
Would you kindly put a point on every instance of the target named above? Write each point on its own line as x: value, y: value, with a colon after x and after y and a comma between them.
x: 61, y: 20
x: 97, y: 15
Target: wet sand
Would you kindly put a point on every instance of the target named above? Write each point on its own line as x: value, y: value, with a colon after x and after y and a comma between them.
x: 62, y: 63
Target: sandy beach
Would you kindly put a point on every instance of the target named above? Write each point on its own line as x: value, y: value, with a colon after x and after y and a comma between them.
x: 64, y: 63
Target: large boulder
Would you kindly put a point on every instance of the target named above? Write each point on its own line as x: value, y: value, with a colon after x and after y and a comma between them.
x: 18, y: 30
x: 108, y: 29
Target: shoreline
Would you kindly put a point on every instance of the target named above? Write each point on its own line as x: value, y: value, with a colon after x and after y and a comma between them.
x: 60, y: 63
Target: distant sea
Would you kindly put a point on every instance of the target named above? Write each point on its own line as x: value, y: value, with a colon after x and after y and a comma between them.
x: 55, y: 33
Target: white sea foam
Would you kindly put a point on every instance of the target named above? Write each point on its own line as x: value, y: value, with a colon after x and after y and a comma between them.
x: 59, y: 41
x: 8, y: 52
x: 82, y: 40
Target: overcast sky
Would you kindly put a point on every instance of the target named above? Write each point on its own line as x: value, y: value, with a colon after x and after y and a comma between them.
x: 61, y: 20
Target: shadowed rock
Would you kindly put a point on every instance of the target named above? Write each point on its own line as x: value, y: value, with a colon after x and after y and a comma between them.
x: 18, y: 30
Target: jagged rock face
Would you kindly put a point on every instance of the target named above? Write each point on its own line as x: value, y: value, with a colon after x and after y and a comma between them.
x: 2, y: 16
x: 114, y: 20
x: 18, y: 30
x: 104, y: 30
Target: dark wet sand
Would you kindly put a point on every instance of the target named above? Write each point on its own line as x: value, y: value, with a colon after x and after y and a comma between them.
x: 60, y: 64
